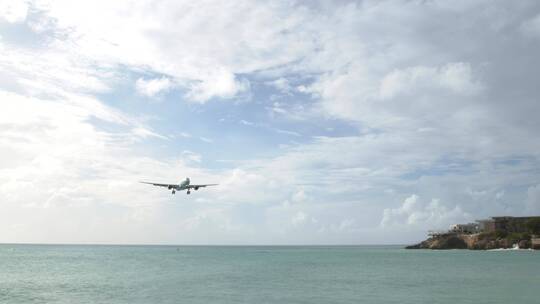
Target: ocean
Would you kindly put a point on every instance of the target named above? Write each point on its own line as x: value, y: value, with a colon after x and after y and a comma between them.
x: 264, y: 274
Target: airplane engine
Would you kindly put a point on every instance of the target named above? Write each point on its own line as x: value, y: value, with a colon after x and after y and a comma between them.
x: 170, y: 187
x: 196, y: 188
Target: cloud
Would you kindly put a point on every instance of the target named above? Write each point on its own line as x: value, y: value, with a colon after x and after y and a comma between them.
x: 531, y: 27
x: 205, y: 58
x: 456, y: 77
x: 247, y: 123
x: 268, y: 127
x: 287, y: 132
x: 220, y: 84
x: 533, y: 200
x: 237, y: 187
x: 206, y: 139
x: 438, y: 108
x: 282, y: 84
x: 145, y: 132
x: 152, y: 87
x: 300, y: 196
x: 185, y: 135
x: 415, y: 212
x: 13, y: 11
x: 61, y: 170
x: 378, y: 102
x: 56, y: 72
x: 211, y: 219
x: 191, y: 156
x: 301, y: 218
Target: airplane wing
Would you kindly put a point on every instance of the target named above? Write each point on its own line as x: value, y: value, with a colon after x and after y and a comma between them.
x: 200, y: 186
x: 160, y: 185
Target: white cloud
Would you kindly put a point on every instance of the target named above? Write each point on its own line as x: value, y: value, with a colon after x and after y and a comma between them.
x: 456, y: 77
x: 201, y: 138
x: 206, y: 139
x: 302, y: 219
x: 145, y: 133
x: 415, y: 212
x: 220, y: 84
x: 533, y: 200
x: 346, y: 224
x: 531, y: 27
x: 437, y: 110
x: 287, y: 132
x: 299, y: 196
x: 282, y: 84
x: 61, y: 171
x: 238, y: 184
x: 211, y: 219
x: 55, y: 72
x: 205, y: 57
x: 191, y: 156
x: 399, y: 98
x: 13, y: 11
x: 152, y: 87
x: 459, y: 78
x: 299, y: 218
x: 247, y: 123
x: 185, y: 135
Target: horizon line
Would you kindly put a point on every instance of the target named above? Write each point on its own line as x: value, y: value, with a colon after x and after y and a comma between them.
x: 198, y: 245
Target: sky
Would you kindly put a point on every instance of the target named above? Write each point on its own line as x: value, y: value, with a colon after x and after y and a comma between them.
x: 324, y: 122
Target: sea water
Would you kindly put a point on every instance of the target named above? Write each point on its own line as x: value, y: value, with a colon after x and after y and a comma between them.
x: 265, y: 274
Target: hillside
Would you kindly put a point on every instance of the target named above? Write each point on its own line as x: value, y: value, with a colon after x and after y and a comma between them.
x: 478, y: 241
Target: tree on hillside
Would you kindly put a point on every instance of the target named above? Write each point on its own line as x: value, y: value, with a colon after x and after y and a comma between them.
x: 534, y: 225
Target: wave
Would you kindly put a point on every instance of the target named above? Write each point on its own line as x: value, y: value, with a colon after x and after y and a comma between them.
x: 514, y: 248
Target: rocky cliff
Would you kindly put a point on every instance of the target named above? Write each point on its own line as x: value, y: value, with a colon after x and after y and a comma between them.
x: 477, y: 241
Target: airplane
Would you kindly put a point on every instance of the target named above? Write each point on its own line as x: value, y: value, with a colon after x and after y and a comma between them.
x: 184, y: 185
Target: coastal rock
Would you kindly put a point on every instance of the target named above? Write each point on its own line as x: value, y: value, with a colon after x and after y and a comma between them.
x: 441, y: 242
x: 422, y: 245
x: 470, y: 241
x: 524, y: 244
x: 450, y: 242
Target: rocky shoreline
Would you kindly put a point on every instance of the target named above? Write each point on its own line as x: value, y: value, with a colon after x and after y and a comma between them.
x: 478, y: 241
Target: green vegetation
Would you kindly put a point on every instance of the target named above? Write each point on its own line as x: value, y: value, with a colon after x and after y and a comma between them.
x: 533, y: 225
x: 501, y: 234
x: 486, y: 235
x: 515, y: 237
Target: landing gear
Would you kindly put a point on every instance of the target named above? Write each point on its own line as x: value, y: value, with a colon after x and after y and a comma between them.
x: 174, y: 191
x: 188, y: 192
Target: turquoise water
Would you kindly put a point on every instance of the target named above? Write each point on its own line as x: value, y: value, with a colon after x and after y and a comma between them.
x: 184, y: 274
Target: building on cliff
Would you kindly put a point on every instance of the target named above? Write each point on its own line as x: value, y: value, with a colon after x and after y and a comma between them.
x: 469, y: 228
x: 486, y: 225
x: 509, y: 224
x: 496, y: 232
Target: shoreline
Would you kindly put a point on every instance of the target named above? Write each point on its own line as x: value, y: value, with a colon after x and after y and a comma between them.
x: 478, y: 241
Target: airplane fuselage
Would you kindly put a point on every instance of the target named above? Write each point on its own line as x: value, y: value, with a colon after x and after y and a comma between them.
x: 183, y: 185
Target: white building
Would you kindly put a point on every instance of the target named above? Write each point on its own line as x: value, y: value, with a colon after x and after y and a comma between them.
x: 465, y: 228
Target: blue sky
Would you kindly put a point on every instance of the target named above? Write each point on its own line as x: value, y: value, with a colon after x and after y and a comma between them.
x: 349, y: 122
